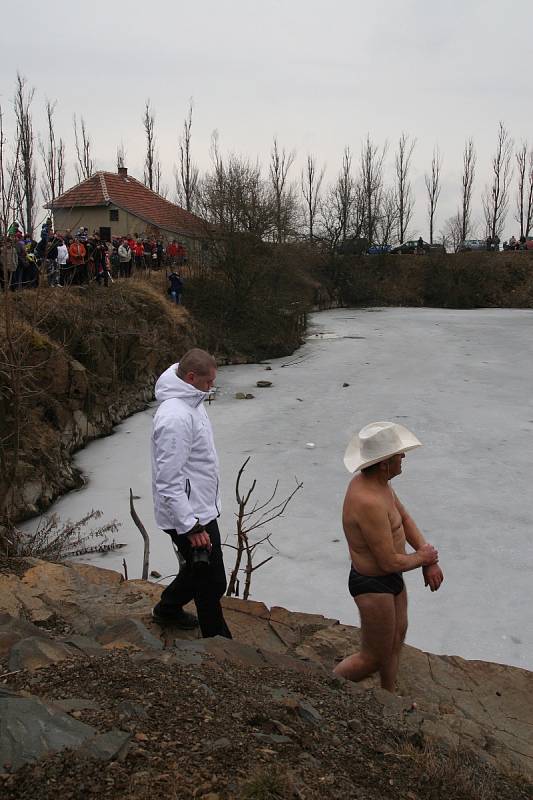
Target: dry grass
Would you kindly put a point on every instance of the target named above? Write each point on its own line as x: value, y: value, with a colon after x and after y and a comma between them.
x: 267, y: 785
x: 454, y: 773
x: 57, y: 541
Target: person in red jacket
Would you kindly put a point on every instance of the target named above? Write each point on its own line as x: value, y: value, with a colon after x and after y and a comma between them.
x: 172, y: 252
x: 138, y: 252
x: 77, y: 256
x: 181, y: 255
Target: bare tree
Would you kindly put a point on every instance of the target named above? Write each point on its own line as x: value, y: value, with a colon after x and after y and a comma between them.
x: 152, y: 165
x: 8, y: 179
x: 311, y: 182
x: 83, y: 144
x: 342, y: 211
x: 53, y: 158
x: 452, y: 235
x: 121, y: 156
x: 248, y: 521
x: 496, y: 194
x: 146, y: 539
x: 235, y: 197
x: 12, y: 341
x: 467, y: 182
x: 187, y: 176
x: 343, y: 195
x: 524, y: 197
x: 372, y: 158
x: 433, y: 189
x: 25, y: 164
x: 387, y: 219
x: 280, y: 164
x: 404, y: 194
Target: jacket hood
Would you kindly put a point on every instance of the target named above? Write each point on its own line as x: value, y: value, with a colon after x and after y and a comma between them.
x: 169, y: 386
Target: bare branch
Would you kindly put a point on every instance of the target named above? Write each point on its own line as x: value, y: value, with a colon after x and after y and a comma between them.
x: 433, y: 188
x: 246, y: 548
x: 371, y: 185
x: 24, y: 164
x: 467, y: 182
x: 280, y: 164
x: 257, y: 508
x: 269, y: 558
x: 311, y: 182
x: 188, y: 175
x: 524, y: 195
x: 82, y: 141
x: 496, y: 193
x: 404, y: 194
x: 152, y: 165
x: 146, y: 538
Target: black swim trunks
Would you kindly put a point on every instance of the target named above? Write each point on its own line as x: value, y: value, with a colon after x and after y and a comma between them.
x: 375, y: 584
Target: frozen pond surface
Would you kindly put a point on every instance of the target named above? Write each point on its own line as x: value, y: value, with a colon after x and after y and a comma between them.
x: 462, y: 380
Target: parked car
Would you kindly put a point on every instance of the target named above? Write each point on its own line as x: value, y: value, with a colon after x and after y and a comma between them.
x: 472, y: 244
x: 435, y: 249
x: 378, y: 249
x: 408, y: 248
x: 354, y: 246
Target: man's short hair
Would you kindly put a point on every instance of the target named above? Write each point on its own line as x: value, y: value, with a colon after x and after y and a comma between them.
x: 375, y: 467
x: 197, y: 361
x: 372, y: 468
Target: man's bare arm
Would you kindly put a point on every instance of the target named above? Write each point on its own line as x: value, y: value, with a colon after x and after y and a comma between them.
x: 433, y: 576
x: 412, y: 534
x: 374, y: 524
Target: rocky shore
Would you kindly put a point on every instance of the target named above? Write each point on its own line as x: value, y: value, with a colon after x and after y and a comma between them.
x: 99, y: 700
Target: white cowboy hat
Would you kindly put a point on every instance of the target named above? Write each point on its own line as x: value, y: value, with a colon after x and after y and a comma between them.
x: 376, y: 442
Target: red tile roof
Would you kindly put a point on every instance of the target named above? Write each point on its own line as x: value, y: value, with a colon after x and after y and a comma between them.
x: 126, y: 192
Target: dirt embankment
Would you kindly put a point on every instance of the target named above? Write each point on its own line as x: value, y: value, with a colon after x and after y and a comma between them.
x: 125, y: 708
x: 464, y: 280
x: 75, y: 363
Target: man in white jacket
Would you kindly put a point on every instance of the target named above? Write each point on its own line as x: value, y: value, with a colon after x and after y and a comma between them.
x: 185, y: 485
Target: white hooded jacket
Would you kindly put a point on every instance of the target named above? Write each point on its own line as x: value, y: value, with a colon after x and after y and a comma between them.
x: 185, y: 474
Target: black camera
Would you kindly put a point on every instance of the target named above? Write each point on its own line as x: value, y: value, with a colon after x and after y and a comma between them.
x: 200, y: 556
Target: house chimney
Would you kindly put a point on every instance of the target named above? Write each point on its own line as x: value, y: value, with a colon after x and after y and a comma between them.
x: 123, y: 171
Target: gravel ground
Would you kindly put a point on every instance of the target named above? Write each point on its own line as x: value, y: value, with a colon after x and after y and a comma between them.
x: 211, y: 731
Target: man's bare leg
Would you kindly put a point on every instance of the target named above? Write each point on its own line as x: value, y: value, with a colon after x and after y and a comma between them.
x: 389, y: 670
x: 378, y: 629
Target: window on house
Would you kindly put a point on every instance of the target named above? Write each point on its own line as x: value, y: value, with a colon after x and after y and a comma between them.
x: 113, y: 215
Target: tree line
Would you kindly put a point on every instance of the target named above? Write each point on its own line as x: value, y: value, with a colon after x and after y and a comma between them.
x: 276, y: 204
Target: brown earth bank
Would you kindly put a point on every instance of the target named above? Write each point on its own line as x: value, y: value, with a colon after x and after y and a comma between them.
x: 98, y: 701
x: 75, y: 362
x: 462, y: 280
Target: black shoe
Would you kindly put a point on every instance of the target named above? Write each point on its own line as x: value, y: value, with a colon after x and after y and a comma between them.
x: 179, y: 618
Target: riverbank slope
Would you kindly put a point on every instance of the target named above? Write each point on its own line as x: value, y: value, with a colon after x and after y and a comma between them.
x: 147, y: 711
x: 74, y: 363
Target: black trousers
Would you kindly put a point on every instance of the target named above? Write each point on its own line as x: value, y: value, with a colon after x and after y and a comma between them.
x: 205, y: 584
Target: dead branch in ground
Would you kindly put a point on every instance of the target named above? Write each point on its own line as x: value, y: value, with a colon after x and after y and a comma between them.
x: 248, y: 522
x: 146, y: 539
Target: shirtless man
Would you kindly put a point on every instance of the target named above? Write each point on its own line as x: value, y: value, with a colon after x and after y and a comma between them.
x: 377, y: 526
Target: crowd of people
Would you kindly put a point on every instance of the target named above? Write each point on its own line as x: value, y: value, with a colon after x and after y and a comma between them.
x: 78, y: 258
x: 522, y: 243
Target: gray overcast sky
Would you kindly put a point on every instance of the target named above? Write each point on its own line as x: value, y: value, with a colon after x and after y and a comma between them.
x: 317, y: 75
